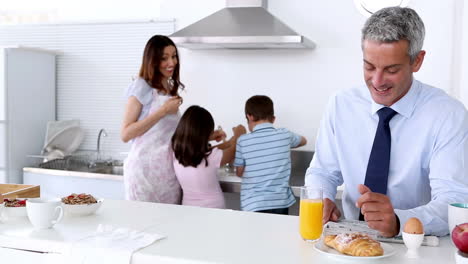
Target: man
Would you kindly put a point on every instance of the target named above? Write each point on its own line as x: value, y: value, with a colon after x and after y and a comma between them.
x: 398, y: 145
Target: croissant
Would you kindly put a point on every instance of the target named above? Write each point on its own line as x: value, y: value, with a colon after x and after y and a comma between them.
x: 354, y: 244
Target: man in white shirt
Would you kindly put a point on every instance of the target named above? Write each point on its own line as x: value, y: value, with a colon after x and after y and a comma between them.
x: 427, y: 136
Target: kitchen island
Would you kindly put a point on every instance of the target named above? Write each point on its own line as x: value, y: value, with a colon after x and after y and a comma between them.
x: 194, y: 235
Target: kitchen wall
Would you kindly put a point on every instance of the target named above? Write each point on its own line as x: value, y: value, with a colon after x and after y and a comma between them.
x: 95, y: 63
x: 463, y: 54
x: 301, y: 81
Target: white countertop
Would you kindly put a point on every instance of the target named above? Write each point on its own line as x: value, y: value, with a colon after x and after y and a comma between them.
x: 74, y: 173
x: 223, y: 175
x: 194, y: 235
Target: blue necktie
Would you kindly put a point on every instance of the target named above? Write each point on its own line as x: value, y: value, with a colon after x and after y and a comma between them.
x: 379, y: 160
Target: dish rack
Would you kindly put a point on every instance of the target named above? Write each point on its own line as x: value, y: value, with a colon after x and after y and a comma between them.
x: 67, y: 163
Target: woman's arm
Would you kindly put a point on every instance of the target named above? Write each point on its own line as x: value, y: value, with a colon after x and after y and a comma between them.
x: 132, y: 128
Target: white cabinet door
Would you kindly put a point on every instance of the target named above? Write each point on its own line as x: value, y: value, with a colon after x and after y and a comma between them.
x: 2, y: 176
x: 54, y: 186
x: 2, y: 85
x: 3, y: 145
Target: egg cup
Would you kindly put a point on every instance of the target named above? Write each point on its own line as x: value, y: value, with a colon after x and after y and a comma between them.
x: 412, y: 242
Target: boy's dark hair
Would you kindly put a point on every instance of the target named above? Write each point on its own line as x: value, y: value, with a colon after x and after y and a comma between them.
x: 191, y: 137
x: 260, y: 107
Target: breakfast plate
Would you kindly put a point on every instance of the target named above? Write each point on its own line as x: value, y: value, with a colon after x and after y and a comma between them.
x: 330, y: 252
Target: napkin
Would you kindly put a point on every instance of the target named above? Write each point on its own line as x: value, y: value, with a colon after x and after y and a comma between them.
x: 110, y: 244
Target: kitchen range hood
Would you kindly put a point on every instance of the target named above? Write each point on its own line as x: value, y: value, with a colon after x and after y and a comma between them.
x: 241, y: 25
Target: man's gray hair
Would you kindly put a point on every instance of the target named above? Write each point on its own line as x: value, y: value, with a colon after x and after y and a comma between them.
x: 392, y: 24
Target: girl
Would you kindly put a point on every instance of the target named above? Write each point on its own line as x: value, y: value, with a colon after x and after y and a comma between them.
x: 150, y: 119
x: 196, y: 163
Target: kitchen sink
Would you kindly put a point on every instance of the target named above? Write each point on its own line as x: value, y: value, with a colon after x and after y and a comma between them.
x: 71, y: 163
x: 300, y: 161
x: 108, y: 169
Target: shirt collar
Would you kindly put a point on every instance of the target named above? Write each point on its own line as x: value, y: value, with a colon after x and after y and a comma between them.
x: 262, y: 126
x: 404, y: 106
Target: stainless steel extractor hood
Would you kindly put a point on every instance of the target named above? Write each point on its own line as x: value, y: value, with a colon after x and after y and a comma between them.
x: 240, y: 27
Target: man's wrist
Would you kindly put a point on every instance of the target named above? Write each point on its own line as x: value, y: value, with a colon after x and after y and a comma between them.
x: 397, y: 225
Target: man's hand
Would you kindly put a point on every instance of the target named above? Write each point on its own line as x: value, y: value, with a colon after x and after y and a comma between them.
x: 330, y: 211
x: 378, y: 211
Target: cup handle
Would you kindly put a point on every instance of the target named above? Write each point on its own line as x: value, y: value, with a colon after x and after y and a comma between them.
x: 59, y: 216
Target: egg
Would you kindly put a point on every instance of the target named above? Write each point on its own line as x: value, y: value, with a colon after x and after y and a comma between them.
x: 413, y: 226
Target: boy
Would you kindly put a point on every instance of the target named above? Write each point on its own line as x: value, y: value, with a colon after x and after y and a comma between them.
x: 263, y: 160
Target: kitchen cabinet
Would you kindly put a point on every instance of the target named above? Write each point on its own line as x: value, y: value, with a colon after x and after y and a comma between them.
x: 27, y: 102
x: 55, y: 184
x: 60, y: 183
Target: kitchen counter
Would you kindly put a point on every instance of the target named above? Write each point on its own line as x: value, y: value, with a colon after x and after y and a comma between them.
x: 230, y: 183
x: 194, y: 235
x: 69, y: 173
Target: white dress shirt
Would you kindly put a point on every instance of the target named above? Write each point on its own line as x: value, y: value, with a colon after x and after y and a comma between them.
x: 428, y: 159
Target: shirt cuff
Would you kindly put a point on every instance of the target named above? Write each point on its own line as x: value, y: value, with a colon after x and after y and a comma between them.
x: 398, y: 225
x: 402, y: 217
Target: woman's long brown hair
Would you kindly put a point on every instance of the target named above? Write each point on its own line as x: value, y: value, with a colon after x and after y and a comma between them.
x: 190, y: 140
x: 152, y: 57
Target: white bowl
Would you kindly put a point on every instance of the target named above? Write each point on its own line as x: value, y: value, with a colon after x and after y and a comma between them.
x: 13, y: 212
x: 82, y: 209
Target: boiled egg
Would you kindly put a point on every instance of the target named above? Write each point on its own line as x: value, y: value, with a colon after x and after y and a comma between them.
x: 413, y: 226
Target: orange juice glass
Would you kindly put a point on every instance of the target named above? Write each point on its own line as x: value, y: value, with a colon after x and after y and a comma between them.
x: 310, y: 213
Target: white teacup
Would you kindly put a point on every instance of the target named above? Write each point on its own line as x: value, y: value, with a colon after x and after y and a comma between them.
x: 457, y: 214
x: 44, y: 213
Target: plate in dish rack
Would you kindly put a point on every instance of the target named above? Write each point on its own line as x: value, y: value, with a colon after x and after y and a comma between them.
x: 324, y: 249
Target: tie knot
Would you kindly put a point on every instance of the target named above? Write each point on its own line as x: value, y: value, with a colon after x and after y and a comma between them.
x: 385, y: 114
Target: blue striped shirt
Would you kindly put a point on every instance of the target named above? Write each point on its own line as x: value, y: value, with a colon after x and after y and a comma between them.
x: 265, y: 154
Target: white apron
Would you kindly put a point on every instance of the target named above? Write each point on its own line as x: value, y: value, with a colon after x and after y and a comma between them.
x: 148, y: 171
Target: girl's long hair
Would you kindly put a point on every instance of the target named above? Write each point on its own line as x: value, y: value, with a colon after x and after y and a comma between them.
x: 191, y: 137
x: 152, y: 57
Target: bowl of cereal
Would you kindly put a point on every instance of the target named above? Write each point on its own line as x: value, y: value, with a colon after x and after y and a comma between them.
x: 81, y: 204
x: 14, y: 208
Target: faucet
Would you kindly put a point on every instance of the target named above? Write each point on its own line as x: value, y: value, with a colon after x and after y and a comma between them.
x: 102, y: 132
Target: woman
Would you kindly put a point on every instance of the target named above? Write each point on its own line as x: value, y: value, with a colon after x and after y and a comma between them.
x: 150, y: 119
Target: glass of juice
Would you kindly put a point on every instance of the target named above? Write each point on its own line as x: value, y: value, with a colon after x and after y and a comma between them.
x: 310, y: 213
